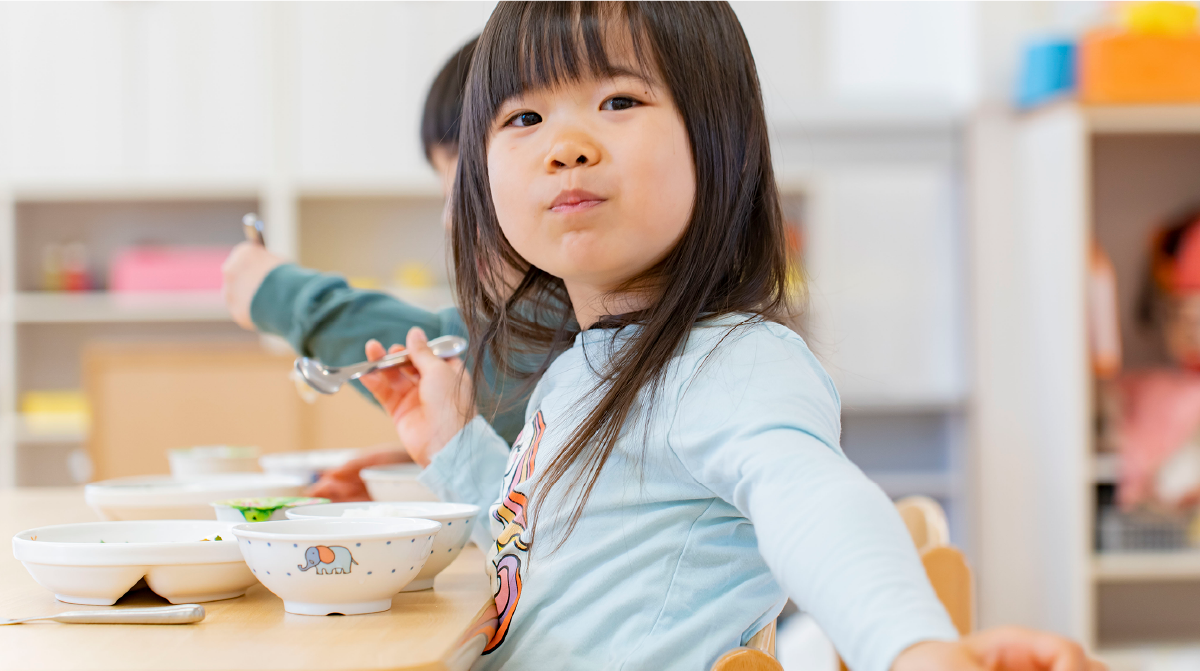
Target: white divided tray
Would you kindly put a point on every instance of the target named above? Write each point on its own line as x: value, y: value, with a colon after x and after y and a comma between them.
x: 95, y: 563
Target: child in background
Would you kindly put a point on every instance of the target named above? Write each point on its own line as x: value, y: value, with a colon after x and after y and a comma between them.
x: 323, y: 317
x: 678, y: 476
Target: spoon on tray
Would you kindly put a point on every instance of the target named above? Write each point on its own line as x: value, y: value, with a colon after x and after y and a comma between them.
x: 328, y: 379
x: 181, y: 614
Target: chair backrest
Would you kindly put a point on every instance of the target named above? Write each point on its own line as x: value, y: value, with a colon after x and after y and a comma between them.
x: 926, y: 521
x: 951, y: 579
x: 945, y: 566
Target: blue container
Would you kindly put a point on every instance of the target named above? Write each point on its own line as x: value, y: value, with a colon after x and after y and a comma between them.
x: 1047, y: 72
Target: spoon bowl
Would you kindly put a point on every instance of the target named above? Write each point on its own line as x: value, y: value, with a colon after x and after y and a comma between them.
x: 329, y: 379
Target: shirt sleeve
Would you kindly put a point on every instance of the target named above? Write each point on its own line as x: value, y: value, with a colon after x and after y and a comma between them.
x: 470, y: 469
x: 321, y: 316
x: 758, y: 424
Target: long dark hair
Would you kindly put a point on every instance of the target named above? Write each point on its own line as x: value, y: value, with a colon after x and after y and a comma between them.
x: 732, y: 257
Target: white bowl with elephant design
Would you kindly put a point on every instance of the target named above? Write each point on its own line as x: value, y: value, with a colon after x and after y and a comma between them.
x: 346, y: 566
x: 457, y: 521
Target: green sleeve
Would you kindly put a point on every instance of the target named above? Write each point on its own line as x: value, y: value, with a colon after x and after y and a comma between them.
x: 321, y: 316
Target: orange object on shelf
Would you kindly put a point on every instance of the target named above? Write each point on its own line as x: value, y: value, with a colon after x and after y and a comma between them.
x: 1116, y: 67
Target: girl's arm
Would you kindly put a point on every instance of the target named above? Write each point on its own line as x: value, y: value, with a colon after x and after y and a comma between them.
x: 759, y: 425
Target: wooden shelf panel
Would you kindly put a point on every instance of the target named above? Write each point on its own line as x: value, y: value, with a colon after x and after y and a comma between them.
x: 418, y: 188
x: 99, y: 306
x: 25, y: 436
x: 1146, y: 566
x: 1114, y: 119
x: 135, y: 189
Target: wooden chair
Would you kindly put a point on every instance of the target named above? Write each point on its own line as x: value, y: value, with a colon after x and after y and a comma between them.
x: 945, y: 565
x: 926, y: 521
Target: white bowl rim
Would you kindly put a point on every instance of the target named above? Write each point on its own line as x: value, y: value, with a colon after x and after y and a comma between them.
x: 404, y: 527
x: 84, y: 553
x: 164, y: 490
x: 400, y: 471
x: 452, y: 510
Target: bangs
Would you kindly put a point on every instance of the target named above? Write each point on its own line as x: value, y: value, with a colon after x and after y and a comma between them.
x: 558, y: 43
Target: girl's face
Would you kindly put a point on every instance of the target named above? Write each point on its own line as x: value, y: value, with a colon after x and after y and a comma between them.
x: 593, y: 181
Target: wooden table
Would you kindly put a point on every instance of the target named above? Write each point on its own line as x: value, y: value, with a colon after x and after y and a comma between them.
x: 423, y: 630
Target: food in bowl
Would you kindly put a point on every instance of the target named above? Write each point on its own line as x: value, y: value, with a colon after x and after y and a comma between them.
x: 457, y: 520
x: 95, y: 563
x: 396, y: 482
x: 333, y: 565
x: 261, y: 509
x: 159, y: 497
x: 192, y: 462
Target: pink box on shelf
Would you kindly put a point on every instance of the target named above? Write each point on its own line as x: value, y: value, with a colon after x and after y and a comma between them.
x: 167, y: 268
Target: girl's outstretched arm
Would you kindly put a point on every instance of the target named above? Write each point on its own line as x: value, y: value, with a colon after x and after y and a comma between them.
x: 758, y: 424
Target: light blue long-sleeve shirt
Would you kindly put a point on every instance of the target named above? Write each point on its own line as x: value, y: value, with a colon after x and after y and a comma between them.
x: 728, y: 494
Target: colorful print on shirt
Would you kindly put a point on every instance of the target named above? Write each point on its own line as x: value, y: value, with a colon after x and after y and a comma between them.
x: 509, y: 517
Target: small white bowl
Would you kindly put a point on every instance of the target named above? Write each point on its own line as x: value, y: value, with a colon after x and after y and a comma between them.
x: 396, y: 482
x: 158, y: 497
x: 307, y: 464
x: 457, y: 521
x: 262, y: 508
x: 342, y: 566
x: 193, y: 462
x: 95, y: 563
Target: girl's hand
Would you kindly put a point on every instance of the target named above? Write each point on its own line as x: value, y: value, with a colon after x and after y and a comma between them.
x: 242, y: 274
x: 429, y: 400
x: 999, y: 649
x: 344, y: 482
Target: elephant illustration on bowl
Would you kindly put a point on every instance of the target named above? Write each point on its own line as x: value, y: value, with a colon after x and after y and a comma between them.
x: 327, y: 560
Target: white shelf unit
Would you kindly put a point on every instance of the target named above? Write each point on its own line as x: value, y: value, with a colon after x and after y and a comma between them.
x: 46, y: 307
x: 1047, y: 186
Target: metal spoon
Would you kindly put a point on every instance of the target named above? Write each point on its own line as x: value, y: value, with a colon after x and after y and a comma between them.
x: 181, y: 614
x: 253, y: 227
x: 328, y: 379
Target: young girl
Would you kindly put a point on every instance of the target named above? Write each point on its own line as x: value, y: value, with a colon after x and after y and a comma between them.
x: 678, y: 477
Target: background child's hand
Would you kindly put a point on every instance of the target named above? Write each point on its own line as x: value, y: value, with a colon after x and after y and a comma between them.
x: 243, y: 272
x: 999, y: 649
x: 344, y: 482
x: 429, y: 401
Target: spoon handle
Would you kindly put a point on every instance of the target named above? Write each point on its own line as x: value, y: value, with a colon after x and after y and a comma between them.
x: 181, y: 614
x: 252, y: 226
x: 445, y: 347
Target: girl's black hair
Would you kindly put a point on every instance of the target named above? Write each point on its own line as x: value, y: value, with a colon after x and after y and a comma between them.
x: 443, y: 106
x: 732, y: 257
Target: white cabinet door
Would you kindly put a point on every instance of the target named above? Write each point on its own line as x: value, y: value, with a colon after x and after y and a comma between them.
x: 110, y: 91
x: 66, y: 80
x: 885, y: 283
x: 364, y: 71
x: 785, y: 38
